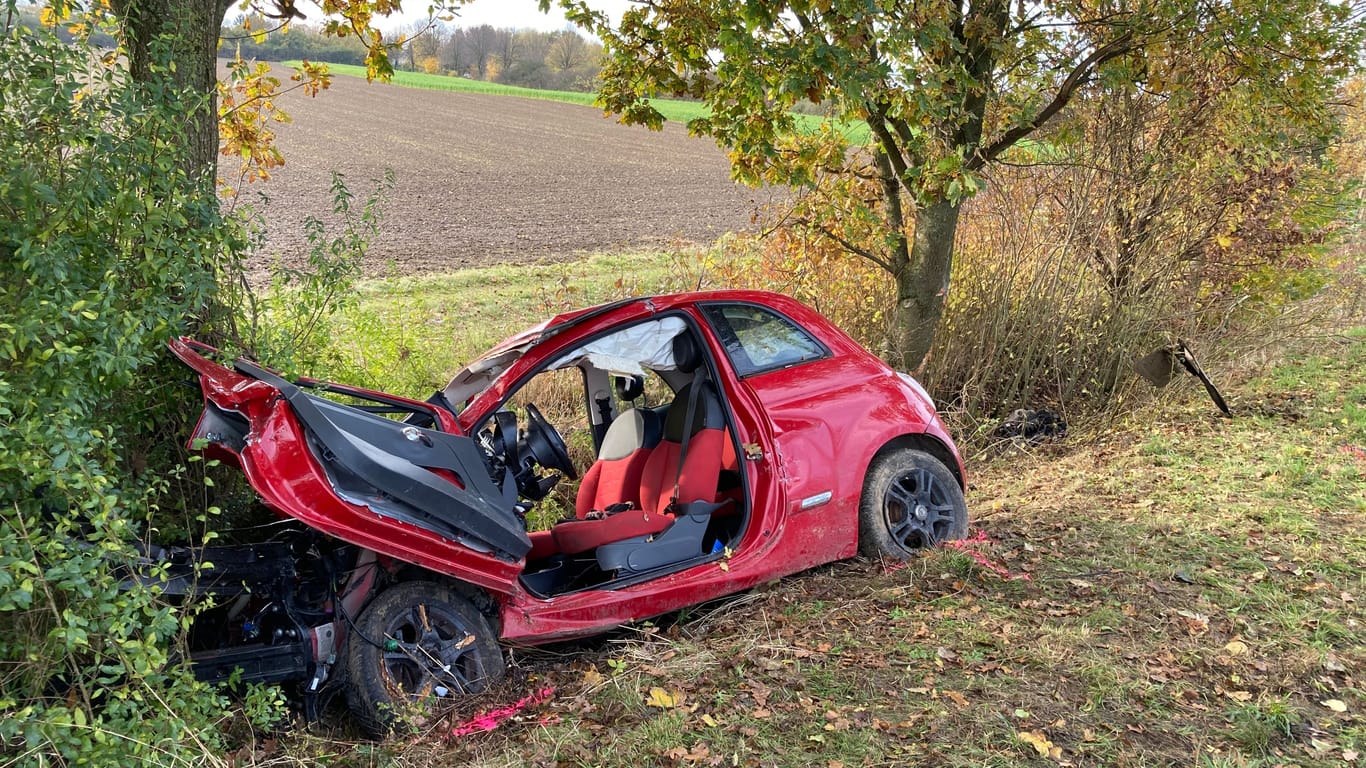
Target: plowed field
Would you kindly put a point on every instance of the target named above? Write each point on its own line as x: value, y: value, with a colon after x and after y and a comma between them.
x: 494, y: 179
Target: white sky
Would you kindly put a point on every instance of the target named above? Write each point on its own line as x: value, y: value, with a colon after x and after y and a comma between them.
x: 501, y: 14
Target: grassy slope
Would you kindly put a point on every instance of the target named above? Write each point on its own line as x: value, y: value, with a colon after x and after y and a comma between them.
x: 1195, y: 597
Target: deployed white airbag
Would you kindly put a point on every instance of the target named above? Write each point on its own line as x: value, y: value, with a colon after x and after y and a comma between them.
x: 630, y: 350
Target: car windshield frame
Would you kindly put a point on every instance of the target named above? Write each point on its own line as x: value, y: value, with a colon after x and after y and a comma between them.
x: 484, y: 371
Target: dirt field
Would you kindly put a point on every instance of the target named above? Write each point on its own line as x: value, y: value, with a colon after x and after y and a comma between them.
x: 494, y: 179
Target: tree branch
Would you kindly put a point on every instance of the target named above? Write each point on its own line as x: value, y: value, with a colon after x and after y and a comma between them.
x: 1113, y: 49
x: 845, y: 244
x: 877, y: 123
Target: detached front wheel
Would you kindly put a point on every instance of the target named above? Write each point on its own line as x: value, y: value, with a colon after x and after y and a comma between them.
x: 911, y: 502
x: 416, y: 644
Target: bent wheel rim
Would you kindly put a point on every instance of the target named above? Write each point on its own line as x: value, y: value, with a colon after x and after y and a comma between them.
x: 917, y: 510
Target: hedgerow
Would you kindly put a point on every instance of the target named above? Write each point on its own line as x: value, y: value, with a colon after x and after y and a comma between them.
x: 107, y: 247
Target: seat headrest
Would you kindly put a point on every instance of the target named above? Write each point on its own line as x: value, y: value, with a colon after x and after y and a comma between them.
x: 687, y: 354
x: 629, y: 387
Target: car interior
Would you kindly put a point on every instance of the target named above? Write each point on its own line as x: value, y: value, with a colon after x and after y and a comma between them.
x: 662, y: 490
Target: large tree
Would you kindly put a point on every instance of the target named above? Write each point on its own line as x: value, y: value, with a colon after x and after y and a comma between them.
x: 940, y: 89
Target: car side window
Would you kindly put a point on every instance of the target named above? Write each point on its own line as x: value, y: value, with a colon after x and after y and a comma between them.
x: 758, y: 339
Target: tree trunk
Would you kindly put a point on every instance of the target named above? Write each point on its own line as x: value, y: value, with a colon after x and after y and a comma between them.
x: 923, y: 283
x: 188, y: 30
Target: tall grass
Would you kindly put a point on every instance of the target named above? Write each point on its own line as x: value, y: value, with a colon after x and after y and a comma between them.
x: 1027, y: 322
x: 408, y: 335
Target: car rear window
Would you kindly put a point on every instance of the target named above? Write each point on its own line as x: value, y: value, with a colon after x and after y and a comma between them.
x: 758, y: 339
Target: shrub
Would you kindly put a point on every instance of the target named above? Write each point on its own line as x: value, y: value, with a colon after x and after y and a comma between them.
x: 287, y: 325
x: 1034, y: 315
x: 107, y: 247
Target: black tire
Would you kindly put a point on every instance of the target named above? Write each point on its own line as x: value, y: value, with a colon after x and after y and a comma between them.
x: 911, y: 502
x: 417, y: 643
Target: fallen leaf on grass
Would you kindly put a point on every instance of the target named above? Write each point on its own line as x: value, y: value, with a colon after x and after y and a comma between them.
x: 1240, y: 695
x: 1041, y: 744
x: 592, y: 677
x: 663, y: 699
x: 697, y: 754
x: 1335, y: 704
x: 1196, y: 623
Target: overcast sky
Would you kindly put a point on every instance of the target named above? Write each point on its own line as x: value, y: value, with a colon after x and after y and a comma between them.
x: 515, y: 14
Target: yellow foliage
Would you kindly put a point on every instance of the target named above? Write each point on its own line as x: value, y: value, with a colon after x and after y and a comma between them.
x: 246, y: 108
x: 50, y: 16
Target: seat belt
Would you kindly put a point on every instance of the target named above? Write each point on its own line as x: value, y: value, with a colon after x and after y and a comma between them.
x: 696, y: 385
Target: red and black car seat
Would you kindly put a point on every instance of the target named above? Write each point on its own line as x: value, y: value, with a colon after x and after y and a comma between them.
x: 664, y: 479
x: 615, y: 477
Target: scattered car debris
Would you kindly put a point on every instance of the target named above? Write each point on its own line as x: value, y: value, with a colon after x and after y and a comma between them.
x: 1157, y: 368
x: 488, y: 721
x: 1032, y: 426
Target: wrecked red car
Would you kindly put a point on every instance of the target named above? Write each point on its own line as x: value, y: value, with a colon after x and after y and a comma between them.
x: 718, y: 440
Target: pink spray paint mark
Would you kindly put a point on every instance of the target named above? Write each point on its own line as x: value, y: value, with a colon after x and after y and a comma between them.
x: 969, y: 547
x: 490, y: 720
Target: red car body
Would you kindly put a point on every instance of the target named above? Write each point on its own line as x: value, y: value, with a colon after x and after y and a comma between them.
x: 412, y: 554
x: 805, y: 430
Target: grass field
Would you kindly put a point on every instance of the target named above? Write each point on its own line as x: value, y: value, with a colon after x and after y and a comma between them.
x: 672, y: 109
x: 1183, y: 590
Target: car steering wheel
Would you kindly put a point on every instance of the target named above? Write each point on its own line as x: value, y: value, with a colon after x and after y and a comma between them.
x: 545, y: 445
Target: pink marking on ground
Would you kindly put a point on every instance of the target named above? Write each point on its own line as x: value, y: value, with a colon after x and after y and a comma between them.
x: 490, y: 720
x: 969, y: 546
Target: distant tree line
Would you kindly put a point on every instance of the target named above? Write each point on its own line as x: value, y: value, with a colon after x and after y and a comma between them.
x: 561, y: 60
x: 266, y: 39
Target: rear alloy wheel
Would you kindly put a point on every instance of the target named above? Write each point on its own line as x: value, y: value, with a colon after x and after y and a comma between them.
x: 911, y: 502
x: 416, y: 644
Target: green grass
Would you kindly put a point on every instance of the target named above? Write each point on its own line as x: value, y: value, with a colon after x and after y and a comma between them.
x: 674, y: 110
x: 407, y: 335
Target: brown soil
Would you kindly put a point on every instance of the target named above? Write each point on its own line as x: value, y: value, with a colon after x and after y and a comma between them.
x: 482, y: 180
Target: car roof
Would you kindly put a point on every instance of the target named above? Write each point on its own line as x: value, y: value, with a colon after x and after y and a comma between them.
x: 481, y: 371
